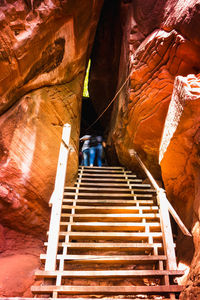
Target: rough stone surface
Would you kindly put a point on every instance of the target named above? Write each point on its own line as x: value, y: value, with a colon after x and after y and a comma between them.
x: 179, y: 160
x: 138, y: 119
x: 44, y: 50
x: 18, y: 261
x: 31, y: 152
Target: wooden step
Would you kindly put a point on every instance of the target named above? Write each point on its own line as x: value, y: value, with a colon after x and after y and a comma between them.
x: 117, y: 226
x: 113, y: 234
x: 106, y: 195
x: 128, y: 190
x: 109, y: 273
x: 136, y: 259
x: 117, y: 235
x: 106, y: 174
x: 136, y: 209
x: 105, y: 201
x: 88, y: 175
x: 108, y: 217
x: 122, y: 208
x: 113, y: 245
x: 114, y: 290
x: 100, y: 168
x: 107, y: 171
x: 116, y: 185
x: 110, y: 180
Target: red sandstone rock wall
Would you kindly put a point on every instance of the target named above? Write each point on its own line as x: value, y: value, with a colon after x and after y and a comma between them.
x: 169, y: 48
x: 44, y: 50
x: 179, y: 160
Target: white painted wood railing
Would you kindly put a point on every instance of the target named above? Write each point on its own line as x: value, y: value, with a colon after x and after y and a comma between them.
x: 56, y: 200
x: 165, y: 208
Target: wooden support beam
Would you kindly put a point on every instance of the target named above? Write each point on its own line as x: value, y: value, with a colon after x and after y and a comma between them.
x: 167, y: 232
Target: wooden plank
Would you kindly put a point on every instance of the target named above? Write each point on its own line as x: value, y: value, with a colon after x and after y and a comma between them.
x: 108, y: 226
x: 113, y: 234
x: 106, y: 195
x: 167, y: 232
x: 99, y: 203
x: 123, y: 208
x: 101, y: 189
x: 107, y: 171
x: 137, y: 259
x: 103, y: 167
x: 110, y: 180
x: 108, y: 273
x: 58, y: 196
x: 119, y: 201
x: 133, y: 225
x: 109, y: 217
x: 113, y: 245
x: 87, y: 175
x: 116, y: 185
x: 120, y: 290
x: 122, y: 216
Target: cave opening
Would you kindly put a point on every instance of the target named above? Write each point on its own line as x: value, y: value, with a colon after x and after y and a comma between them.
x: 102, y: 75
x: 90, y: 125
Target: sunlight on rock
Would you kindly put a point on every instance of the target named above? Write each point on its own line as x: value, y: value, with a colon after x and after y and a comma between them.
x: 182, y: 280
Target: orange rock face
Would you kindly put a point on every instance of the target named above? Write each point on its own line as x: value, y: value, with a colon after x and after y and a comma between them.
x: 44, y: 51
x: 138, y: 119
x: 19, y: 260
x: 179, y: 160
x: 156, y: 62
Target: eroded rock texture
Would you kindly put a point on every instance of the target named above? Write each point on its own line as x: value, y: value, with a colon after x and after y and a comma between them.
x: 163, y: 45
x: 156, y: 62
x: 44, y: 50
x: 45, y: 47
x: 179, y: 159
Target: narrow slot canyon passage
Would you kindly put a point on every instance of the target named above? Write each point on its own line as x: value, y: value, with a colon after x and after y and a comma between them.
x: 145, y: 56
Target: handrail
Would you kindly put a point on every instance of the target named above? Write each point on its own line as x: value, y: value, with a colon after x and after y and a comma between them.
x: 161, y: 193
x: 56, y: 200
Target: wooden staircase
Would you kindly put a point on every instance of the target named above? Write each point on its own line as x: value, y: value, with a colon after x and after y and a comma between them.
x: 111, y: 241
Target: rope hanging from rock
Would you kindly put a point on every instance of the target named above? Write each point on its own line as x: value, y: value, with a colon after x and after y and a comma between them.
x: 110, y: 101
x: 117, y: 93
